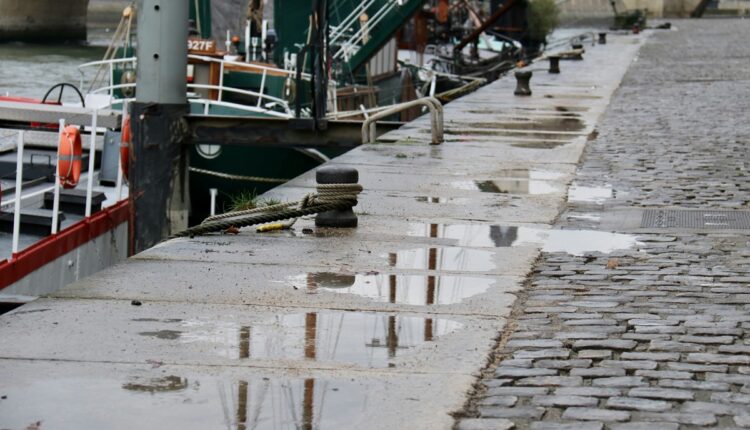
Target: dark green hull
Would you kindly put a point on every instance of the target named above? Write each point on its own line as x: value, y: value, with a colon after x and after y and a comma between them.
x: 264, y: 162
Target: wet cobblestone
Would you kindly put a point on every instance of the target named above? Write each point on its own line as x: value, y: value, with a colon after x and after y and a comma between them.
x: 656, y: 337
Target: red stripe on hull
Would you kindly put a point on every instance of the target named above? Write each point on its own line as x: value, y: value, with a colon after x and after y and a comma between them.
x: 55, y: 246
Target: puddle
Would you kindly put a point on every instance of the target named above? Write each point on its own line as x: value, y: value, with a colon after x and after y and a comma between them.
x: 571, y: 109
x: 157, y: 385
x: 515, y: 181
x: 205, y: 402
x: 564, y: 123
x: 597, y: 195
x: 442, y: 200
x: 539, y: 145
x: 163, y: 334
x: 508, y: 186
x: 400, y: 289
x: 443, y: 258
x: 479, y: 235
x: 575, y: 242
x: 571, y: 96
x: 362, y: 338
x: 469, y: 132
x: 495, y: 110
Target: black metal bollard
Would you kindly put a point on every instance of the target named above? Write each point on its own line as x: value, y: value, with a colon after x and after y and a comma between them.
x: 522, y: 83
x: 602, y: 38
x: 554, y: 63
x: 338, y: 218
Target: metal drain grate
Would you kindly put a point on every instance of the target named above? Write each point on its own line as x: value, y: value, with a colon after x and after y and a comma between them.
x: 695, y: 219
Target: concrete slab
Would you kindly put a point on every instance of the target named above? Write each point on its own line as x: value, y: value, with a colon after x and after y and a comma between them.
x: 115, y: 331
x: 301, y: 286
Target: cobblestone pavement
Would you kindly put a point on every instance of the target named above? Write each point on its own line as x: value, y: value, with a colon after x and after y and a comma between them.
x: 655, y: 337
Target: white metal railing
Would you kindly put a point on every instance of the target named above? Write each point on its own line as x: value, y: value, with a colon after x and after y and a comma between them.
x: 18, y: 191
x: 258, y: 107
x: 110, y: 68
x: 351, y: 19
x: 369, y: 126
x: 251, y: 66
x: 350, y: 46
x: 357, y: 112
x: 265, y: 102
x: 222, y: 64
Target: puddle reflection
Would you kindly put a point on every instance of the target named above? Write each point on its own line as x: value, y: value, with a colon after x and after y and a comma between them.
x: 508, y: 186
x: 194, y: 402
x: 443, y: 258
x: 473, y: 132
x: 400, y: 289
x: 566, y: 123
x: 299, y: 404
x: 361, y: 338
x: 157, y: 385
x: 542, y: 144
x: 515, y: 181
x: 575, y: 242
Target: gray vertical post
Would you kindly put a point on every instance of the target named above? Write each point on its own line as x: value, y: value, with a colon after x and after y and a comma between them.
x: 158, y: 162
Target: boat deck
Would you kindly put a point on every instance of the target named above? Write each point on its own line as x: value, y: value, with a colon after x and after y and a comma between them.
x: 383, y: 326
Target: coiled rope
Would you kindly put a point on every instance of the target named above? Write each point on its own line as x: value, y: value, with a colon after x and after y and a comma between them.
x: 328, y: 197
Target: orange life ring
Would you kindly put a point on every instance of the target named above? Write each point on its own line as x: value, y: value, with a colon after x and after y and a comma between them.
x: 125, y: 146
x: 69, y: 152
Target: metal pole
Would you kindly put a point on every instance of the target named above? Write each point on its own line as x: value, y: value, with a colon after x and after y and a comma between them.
x: 56, y: 200
x: 92, y: 156
x: 213, y: 192
x: 157, y: 174
x: 19, y: 185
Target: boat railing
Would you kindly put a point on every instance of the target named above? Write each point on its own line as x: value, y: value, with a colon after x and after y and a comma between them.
x: 266, y: 109
x: 353, y: 18
x: 251, y: 66
x: 265, y: 103
x: 19, y: 197
x: 369, y: 131
x: 110, y: 69
x: 349, y: 47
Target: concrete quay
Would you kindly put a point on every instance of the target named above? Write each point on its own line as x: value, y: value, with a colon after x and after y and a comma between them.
x: 384, y: 326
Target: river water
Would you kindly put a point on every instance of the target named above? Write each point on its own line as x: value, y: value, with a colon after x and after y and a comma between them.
x: 30, y: 70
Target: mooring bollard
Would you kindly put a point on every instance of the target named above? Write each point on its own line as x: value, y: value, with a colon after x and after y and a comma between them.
x: 602, y: 38
x: 554, y: 63
x: 522, y: 83
x: 337, y: 218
